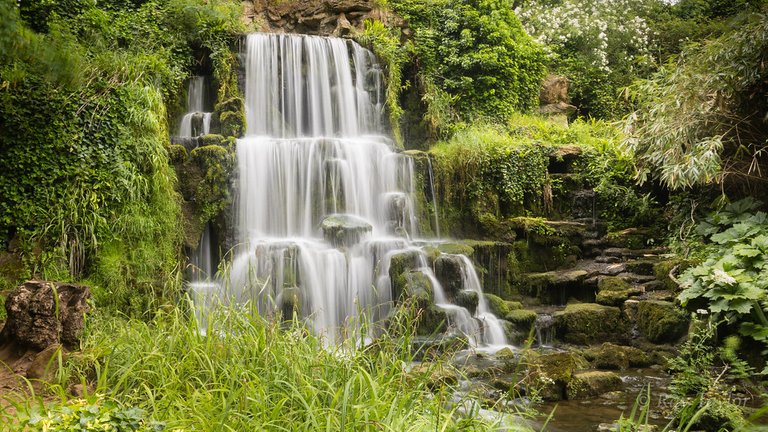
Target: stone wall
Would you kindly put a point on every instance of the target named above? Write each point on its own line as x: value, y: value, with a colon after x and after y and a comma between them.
x: 315, y: 17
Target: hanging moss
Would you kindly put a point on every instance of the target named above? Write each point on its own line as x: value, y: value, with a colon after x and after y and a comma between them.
x: 212, y: 194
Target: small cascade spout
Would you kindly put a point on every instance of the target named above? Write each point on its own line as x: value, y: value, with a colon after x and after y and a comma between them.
x: 493, y: 332
x: 196, y: 122
x: 545, y: 331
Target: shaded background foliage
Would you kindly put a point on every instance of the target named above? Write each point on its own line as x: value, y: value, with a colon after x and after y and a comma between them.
x: 84, y: 97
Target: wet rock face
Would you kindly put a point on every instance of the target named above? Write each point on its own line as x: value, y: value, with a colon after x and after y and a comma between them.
x: 42, y: 314
x: 344, y: 230
x: 588, y: 323
x: 661, y: 321
x: 319, y: 17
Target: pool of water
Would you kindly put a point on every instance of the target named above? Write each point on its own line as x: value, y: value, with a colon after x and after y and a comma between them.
x: 587, y: 415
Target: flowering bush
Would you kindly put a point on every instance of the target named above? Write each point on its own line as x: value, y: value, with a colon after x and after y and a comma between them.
x: 601, y: 45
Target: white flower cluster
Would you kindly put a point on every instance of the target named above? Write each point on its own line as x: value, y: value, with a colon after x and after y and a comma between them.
x: 603, y: 30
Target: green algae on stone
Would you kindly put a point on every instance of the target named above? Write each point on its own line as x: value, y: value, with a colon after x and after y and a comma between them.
x: 590, y: 384
x: 521, y: 319
x: 661, y: 321
x: 589, y: 323
x: 617, y: 357
x: 497, y: 305
x: 214, y: 139
x: 614, y: 290
x: 177, y: 153
x: 468, y: 299
x: 550, y: 373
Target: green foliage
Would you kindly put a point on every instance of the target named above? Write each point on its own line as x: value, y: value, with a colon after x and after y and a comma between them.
x: 703, y: 381
x: 212, y: 194
x: 485, y: 170
x: 385, y: 43
x: 733, y: 280
x: 700, y: 119
x: 245, y: 374
x: 493, y: 172
x: 85, y: 128
x: 600, y: 45
x: 474, y: 56
x: 83, y: 416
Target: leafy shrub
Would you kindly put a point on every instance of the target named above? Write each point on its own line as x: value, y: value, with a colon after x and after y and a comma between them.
x: 85, y: 120
x: 733, y: 280
x: 82, y: 416
x: 700, y: 120
x: 599, y: 45
x: 475, y: 54
x: 703, y: 380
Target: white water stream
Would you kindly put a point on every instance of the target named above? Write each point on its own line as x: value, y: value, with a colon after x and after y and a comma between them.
x: 315, y: 151
x: 195, y: 107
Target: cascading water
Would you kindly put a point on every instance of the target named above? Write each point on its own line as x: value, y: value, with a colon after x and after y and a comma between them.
x: 196, y: 121
x: 323, y: 201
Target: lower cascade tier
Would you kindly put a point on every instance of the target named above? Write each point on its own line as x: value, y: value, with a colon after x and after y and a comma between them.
x: 350, y: 292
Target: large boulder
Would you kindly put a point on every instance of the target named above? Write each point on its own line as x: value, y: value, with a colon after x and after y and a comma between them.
x: 589, y: 323
x: 617, y: 357
x: 549, y: 374
x: 41, y: 314
x: 344, y: 230
x: 661, y: 321
x: 448, y: 271
x: 554, y: 89
x: 590, y: 384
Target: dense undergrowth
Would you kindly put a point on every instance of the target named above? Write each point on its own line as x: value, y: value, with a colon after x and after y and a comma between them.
x: 246, y: 374
x: 488, y: 172
x: 87, y: 92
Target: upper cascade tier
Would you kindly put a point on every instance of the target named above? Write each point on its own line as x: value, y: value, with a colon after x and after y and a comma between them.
x: 311, y: 86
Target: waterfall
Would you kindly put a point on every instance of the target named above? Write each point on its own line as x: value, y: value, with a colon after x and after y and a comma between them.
x: 323, y: 202
x: 196, y: 121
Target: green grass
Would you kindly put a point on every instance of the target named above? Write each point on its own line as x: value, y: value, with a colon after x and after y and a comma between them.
x: 251, y: 375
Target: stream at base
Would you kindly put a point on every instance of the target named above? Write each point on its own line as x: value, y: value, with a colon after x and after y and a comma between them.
x: 588, y: 415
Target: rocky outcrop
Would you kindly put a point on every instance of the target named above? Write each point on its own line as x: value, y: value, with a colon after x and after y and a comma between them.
x: 42, y: 314
x: 318, y: 17
x: 553, y: 98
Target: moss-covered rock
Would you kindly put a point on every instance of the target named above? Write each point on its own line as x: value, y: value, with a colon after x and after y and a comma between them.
x: 614, y: 290
x: 590, y: 384
x: 631, y: 238
x: 549, y: 374
x: 662, y: 270
x: 557, y: 287
x: 232, y: 123
x: 469, y: 300
x: 231, y: 104
x: 432, y: 320
x: 214, y: 139
x: 212, y: 194
x: 344, y: 230
x: 456, y: 248
x: 522, y: 320
x: 177, y: 154
x: 617, y: 357
x: 400, y: 264
x: 497, y: 305
x: 661, y: 321
x: 436, y: 375
x: 589, y: 323
x: 448, y: 271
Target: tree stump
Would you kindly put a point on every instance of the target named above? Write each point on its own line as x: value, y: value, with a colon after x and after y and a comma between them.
x: 43, y: 313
